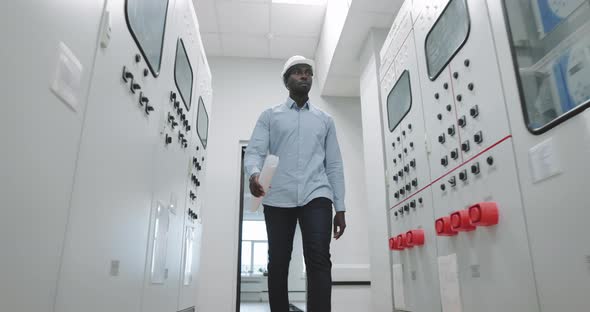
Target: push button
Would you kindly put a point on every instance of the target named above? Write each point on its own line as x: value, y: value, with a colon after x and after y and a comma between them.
x: 484, y: 214
x: 461, y: 222
x: 443, y: 227
x: 415, y: 238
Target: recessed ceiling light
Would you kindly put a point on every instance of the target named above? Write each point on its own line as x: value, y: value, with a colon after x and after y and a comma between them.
x: 303, y: 2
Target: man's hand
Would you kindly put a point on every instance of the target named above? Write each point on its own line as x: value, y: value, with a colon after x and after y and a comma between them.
x: 339, y: 224
x: 255, y: 187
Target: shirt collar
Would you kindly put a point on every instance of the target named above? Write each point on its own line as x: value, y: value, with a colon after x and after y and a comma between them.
x: 292, y: 105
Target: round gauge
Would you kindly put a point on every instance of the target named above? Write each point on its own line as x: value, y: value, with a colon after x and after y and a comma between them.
x: 578, y: 73
x: 563, y: 8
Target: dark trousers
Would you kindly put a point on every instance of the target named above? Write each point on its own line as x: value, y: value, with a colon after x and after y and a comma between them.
x: 315, y: 221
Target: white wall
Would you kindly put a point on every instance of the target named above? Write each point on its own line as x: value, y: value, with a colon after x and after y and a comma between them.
x: 243, y: 88
x: 381, y: 289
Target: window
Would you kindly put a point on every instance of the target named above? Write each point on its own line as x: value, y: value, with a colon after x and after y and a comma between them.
x: 551, y: 50
x: 202, y: 123
x: 183, y: 74
x: 399, y: 101
x: 446, y: 37
x: 160, y: 244
x: 189, y: 241
x: 254, y: 248
x: 146, y: 20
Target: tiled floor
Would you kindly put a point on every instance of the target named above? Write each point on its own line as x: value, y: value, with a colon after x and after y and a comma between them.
x: 263, y: 306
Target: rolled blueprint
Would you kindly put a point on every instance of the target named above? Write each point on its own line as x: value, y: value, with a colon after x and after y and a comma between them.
x: 268, y: 170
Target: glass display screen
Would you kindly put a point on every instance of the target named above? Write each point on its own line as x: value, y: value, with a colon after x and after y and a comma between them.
x: 202, y: 123
x: 446, y: 37
x: 183, y: 74
x: 399, y: 100
x: 146, y: 20
x: 551, y: 49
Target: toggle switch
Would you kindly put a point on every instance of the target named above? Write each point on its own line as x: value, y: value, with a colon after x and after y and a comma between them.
x: 484, y: 214
x: 402, y: 191
x: 408, y: 187
x: 436, y: 96
x: 443, y: 187
x: 126, y: 75
x: 411, y: 144
x: 407, y: 168
x: 459, y: 97
x: 142, y: 99
x: 393, y: 145
x: 406, y: 208
x: 470, y: 86
x: 176, y: 104
x: 395, y: 178
x: 148, y: 108
x: 405, y: 150
x: 456, y: 75
x: 415, y: 238
x: 461, y: 222
x: 443, y: 227
x: 446, y: 85
x: 134, y: 86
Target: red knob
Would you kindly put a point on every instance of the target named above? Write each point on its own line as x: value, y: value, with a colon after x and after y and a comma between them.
x: 484, y: 214
x: 391, y: 243
x: 443, y: 227
x: 461, y: 222
x: 415, y: 238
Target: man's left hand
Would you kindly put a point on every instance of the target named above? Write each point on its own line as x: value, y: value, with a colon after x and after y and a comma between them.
x: 339, y: 224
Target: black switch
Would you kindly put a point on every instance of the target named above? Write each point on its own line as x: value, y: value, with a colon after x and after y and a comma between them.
x: 412, y: 144
x: 395, y: 213
x: 413, y: 163
x: 445, y: 85
x: 436, y: 95
x: 490, y: 160
x: 463, y: 175
x: 168, y: 139
x: 188, y: 128
x: 455, y: 154
x: 470, y: 86
x: 126, y: 75
x: 453, y: 181
x: 172, y: 96
x: 459, y: 97
x: 396, y: 195
x: 467, y: 63
x: 465, y: 146
x: 407, y: 168
x: 137, y: 58
x: 478, y: 137
x: 134, y: 86
x: 398, y: 139
x: 409, y: 126
x: 444, y: 161
x: 475, y: 168
x: 404, y: 132
x: 148, y: 109
x: 399, y: 155
x: 402, y: 191
x: 407, y: 208
x: 451, y: 131
x: 474, y: 111
x: 462, y: 121
x: 439, y: 116
x: 420, y: 200
x: 174, y: 124
x: 413, y: 204
x: 170, y: 118
x: 405, y: 150
x: 449, y: 108
x: 146, y: 72
x: 142, y: 99
x: 395, y: 161
x: 408, y: 187
x: 441, y: 138
x: 177, y: 104
x: 395, y: 178
x: 393, y: 145
x: 415, y: 182
x: 443, y: 187
x: 456, y: 75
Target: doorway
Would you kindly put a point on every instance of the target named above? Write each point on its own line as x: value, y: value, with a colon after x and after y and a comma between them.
x: 252, y: 289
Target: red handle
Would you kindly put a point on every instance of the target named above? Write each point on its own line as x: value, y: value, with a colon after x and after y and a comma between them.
x: 484, y: 214
x: 443, y: 227
x: 461, y: 222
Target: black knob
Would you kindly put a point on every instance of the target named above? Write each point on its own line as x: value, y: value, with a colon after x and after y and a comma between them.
x: 395, y: 178
x: 436, y: 96
x: 441, y: 138
x: 410, y: 126
x: 203, y: 158
x: 174, y: 124
x: 198, y: 183
x: 443, y: 186
x: 465, y: 146
x: 406, y: 208
x: 478, y: 137
x: 395, y: 213
x: 180, y: 136
x: 444, y: 161
x: 404, y: 133
x: 148, y: 109
x: 400, y: 173
x: 405, y: 150
x: 402, y: 191
x: 470, y: 86
x: 413, y: 204
x: 462, y: 121
x: 413, y: 163
x: 398, y: 139
x: 459, y: 97
x: 415, y: 182
x: 170, y: 118
x: 195, y: 161
x: 395, y: 161
x: 407, y: 168
x: 134, y: 86
x: 399, y: 155
x: 396, y: 195
x: 197, y: 147
x: 463, y: 175
x: 412, y: 144
x: 172, y: 96
x: 420, y: 200
x: 455, y: 154
x: 490, y: 160
x: 176, y: 104
x: 126, y: 74
x: 168, y: 139
x: 455, y: 75
x: 137, y: 58
x: 146, y: 72
x: 451, y: 130
x: 467, y: 62
x: 449, y: 108
x: 453, y: 181
x: 439, y: 116
x: 393, y: 144
x: 475, y: 168
x: 188, y: 128
x: 474, y: 111
x: 408, y: 187
x: 445, y: 86
x: 401, y: 211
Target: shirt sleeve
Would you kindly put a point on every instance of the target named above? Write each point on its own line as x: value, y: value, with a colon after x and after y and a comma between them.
x: 258, y: 146
x: 334, y: 167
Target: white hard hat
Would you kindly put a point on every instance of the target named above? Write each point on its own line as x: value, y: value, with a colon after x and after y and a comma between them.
x: 294, y: 60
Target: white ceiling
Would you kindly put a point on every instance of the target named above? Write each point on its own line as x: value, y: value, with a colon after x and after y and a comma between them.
x: 259, y: 28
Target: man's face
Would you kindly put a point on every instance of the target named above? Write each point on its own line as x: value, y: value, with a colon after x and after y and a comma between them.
x: 300, y: 78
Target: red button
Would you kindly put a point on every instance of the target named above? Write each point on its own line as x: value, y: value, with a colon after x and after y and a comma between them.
x: 484, y: 214
x: 415, y: 238
x: 461, y: 222
x: 443, y: 227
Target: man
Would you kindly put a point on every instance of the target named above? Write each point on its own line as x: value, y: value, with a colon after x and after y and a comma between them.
x: 308, y: 180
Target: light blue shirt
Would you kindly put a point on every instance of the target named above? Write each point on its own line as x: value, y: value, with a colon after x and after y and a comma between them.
x: 310, y: 163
